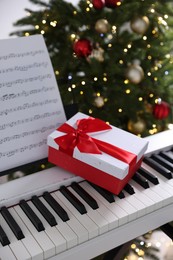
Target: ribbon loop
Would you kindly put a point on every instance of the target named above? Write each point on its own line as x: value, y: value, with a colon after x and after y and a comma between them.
x: 78, y: 137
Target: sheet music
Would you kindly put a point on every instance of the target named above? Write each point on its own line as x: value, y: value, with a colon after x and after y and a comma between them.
x: 30, y: 102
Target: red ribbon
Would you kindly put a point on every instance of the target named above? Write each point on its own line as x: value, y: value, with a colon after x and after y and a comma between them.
x: 87, y: 144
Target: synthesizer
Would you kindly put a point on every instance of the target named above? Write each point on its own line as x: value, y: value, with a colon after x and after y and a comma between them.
x: 53, y: 214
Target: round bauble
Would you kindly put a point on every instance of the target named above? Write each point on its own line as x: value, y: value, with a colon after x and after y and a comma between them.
x: 98, y: 4
x: 136, y: 127
x: 112, y: 3
x: 140, y: 24
x: 82, y: 48
x: 102, y: 26
x: 134, y: 74
x: 161, y: 110
x: 99, y: 102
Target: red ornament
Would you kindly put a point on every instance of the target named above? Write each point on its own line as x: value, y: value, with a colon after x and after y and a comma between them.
x: 111, y: 3
x: 98, y: 4
x: 82, y: 48
x: 161, y: 110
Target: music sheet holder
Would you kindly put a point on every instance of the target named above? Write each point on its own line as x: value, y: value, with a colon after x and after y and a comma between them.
x: 30, y: 103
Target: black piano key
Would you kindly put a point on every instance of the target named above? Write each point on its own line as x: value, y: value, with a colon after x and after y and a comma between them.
x: 73, y: 200
x: 159, y: 168
x: 105, y: 193
x: 3, y: 237
x: 166, y: 156
x: 56, y: 206
x: 149, y: 176
x: 85, y: 195
x: 44, y: 211
x: 140, y: 180
x: 162, y: 161
x: 12, y: 223
x: 121, y: 195
x: 32, y: 216
x: 129, y: 189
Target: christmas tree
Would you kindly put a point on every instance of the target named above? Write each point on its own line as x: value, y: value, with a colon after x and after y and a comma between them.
x: 111, y: 57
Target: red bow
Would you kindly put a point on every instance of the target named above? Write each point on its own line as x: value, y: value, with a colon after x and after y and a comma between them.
x: 87, y: 144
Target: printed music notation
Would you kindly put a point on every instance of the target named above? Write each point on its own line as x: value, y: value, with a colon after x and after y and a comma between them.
x: 30, y: 103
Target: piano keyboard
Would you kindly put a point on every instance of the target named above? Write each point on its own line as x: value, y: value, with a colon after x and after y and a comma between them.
x: 55, y: 215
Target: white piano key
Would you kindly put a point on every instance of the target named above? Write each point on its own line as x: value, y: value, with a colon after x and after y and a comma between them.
x: 166, y: 197
x: 41, y: 237
x: 52, y: 232
x: 72, y: 230
x: 150, y: 199
x: 6, y: 253
x: 130, y: 209
x: 29, y: 242
x: 164, y: 183
x: 101, y: 222
x: 16, y: 246
x: 121, y: 214
x: 83, y: 219
x: 103, y: 210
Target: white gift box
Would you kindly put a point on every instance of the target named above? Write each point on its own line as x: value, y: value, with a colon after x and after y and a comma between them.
x: 104, y: 169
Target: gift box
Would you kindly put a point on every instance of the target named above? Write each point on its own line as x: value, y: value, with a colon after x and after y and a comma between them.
x: 100, y: 153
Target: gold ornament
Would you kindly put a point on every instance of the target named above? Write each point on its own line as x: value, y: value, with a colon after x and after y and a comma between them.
x: 99, y: 101
x: 102, y: 26
x: 136, y: 127
x: 140, y: 24
x: 135, y: 74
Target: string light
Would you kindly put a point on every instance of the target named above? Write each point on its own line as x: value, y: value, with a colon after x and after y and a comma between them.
x: 114, y: 29
x: 81, y: 92
x: 120, y: 110
x: 73, y: 86
x: 57, y: 72
x: 42, y: 32
x: 27, y: 34
x: 43, y: 166
x: 128, y: 91
x: 126, y: 81
x: 83, y: 83
x: 95, y: 78
x: 140, y: 98
x: 69, y: 89
x: 144, y: 38
x: 90, y: 111
x: 133, y: 246
x: 43, y: 21
x: 105, y: 79
x: 53, y: 23
x: 37, y: 27
x: 129, y: 45
x: 121, y: 61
